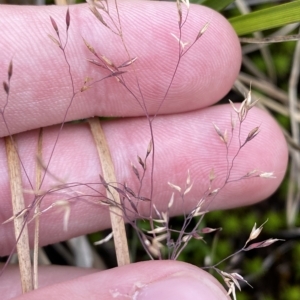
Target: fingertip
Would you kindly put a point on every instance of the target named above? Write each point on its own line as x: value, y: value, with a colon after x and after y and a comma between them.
x: 141, y: 281
x: 185, y: 285
x: 218, y: 55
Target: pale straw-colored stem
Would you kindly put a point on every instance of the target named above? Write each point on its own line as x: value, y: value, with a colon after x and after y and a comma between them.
x: 116, y: 214
x: 293, y: 200
x: 38, y: 180
x: 20, y: 226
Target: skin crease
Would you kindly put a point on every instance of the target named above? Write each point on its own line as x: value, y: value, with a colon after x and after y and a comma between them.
x: 184, y: 134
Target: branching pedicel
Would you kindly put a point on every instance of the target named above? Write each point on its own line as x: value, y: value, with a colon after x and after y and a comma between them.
x: 161, y: 236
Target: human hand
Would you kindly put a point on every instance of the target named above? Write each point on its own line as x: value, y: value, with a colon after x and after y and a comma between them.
x: 184, y: 135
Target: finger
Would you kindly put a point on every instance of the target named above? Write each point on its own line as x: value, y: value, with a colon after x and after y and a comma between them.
x: 182, y: 142
x: 141, y: 281
x: 41, y: 88
x: 47, y: 275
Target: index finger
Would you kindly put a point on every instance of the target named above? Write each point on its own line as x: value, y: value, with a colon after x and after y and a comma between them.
x: 41, y: 89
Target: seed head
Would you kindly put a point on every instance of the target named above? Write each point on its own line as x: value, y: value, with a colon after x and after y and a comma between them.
x: 68, y: 19
x: 10, y: 70
x: 54, y: 25
x: 6, y: 87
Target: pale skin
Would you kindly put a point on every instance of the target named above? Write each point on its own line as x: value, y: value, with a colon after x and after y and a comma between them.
x: 185, y: 138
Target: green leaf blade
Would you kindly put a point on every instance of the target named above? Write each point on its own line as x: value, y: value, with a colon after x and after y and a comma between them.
x: 217, y: 5
x: 269, y: 18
